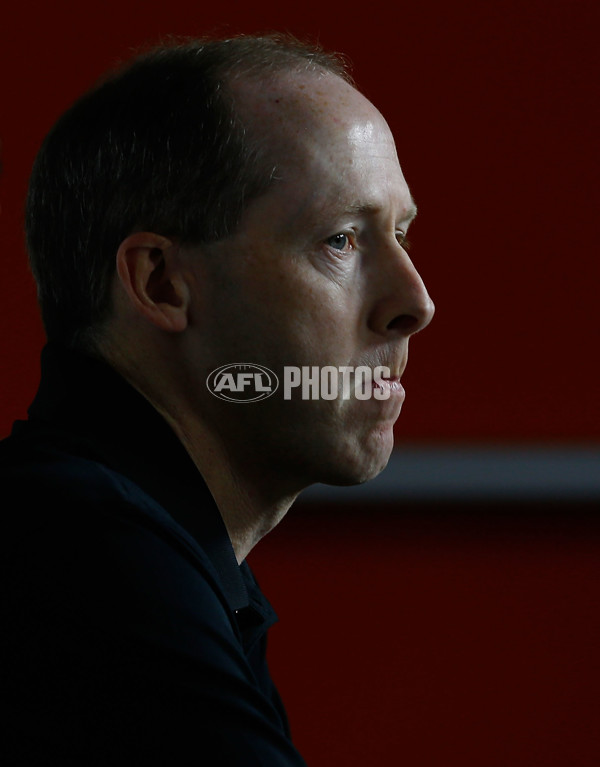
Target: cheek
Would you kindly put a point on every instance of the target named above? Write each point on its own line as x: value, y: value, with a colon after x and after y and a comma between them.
x: 284, y: 307
x: 337, y: 269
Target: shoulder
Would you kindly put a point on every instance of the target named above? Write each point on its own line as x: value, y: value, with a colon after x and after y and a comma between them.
x: 86, y: 544
x: 46, y: 468
x: 116, y: 624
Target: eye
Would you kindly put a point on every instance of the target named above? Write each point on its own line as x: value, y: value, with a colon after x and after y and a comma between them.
x: 402, y: 241
x: 340, y: 241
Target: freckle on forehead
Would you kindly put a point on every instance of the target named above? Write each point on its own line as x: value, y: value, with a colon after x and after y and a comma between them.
x: 293, y: 106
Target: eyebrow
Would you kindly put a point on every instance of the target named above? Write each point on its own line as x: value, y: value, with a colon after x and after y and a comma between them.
x: 368, y: 208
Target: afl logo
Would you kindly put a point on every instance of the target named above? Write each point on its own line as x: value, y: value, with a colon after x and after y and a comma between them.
x: 242, y: 382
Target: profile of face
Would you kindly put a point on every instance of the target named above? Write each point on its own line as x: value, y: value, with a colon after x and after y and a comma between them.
x: 316, y: 274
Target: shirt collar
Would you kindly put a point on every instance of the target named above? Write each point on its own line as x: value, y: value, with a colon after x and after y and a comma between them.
x: 87, y: 399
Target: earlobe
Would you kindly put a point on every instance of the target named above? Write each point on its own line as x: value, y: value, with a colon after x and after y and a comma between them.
x: 149, y: 272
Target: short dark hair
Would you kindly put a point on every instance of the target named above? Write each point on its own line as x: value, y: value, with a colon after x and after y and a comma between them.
x: 159, y: 146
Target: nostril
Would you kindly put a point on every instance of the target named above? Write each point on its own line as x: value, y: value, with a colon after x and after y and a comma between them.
x: 405, y: 323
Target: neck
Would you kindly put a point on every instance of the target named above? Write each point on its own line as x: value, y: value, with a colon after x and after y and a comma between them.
x: 251, y: 500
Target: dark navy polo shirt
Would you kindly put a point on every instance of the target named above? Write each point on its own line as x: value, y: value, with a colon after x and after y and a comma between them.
x: 133, y: 636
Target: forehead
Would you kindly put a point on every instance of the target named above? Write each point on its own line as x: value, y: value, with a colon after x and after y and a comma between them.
x: 296, y: 112
x: 302, y: 96
x: 326, y: 143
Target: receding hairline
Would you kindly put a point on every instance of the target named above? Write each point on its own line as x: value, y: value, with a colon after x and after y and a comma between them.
x: 278, y: 106
x: 73, y: 267
x: 253, y: 55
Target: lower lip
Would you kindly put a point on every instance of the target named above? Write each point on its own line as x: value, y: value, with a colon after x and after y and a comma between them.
x: 390, y: 388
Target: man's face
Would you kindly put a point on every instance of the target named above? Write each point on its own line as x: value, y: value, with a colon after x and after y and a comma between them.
x: 316, y: 275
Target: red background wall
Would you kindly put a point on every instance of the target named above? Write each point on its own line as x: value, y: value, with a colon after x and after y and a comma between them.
x: 410, y: 636
x: 495, y: 110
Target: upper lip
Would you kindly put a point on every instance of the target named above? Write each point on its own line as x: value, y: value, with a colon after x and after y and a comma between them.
x: 394, y: 359
x: 396, y: 369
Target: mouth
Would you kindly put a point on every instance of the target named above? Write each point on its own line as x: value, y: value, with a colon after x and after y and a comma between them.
x: 389, y: 387
x: 391, y: 381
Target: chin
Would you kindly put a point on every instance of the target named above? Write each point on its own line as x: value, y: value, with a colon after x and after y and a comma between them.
x: 361, y: 464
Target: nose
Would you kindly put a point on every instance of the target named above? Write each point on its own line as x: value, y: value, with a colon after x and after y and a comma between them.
x: 403, y: 305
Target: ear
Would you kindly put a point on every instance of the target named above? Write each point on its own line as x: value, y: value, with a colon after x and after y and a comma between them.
x: 150, y: 273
